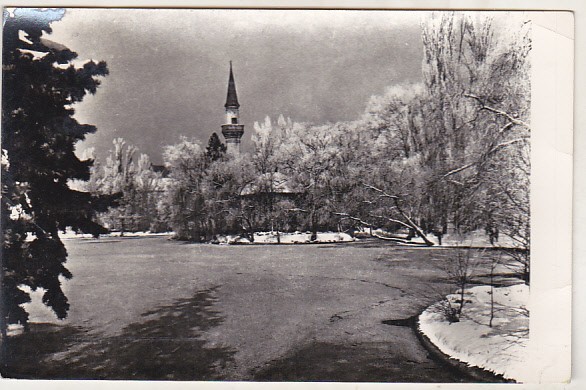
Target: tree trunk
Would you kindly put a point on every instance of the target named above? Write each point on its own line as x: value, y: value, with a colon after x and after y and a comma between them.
x: 462, y: 291
x: 413, y: 225
x: 3, y: 322
x: 491, y: 296
x: 313, y: 221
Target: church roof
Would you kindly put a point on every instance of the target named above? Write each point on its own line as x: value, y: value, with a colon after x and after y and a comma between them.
x: 232, y: 98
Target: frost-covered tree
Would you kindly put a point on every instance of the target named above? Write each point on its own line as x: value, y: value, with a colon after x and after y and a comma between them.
x: 224, y: 183
x: 440, y: 148
x: 138, y: 186
x: 311, y: 158
x: 264, y: 142
x: 118, y: 178
x: 394, y: 185
x: 148, y: 188
x: 477, y: 78
x: 187, y: 163
x: 203, y: 197
x: 40, y: 84
x: 395, y: 119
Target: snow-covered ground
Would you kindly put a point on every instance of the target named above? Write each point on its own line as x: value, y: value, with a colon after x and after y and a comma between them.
x: 477, y: 238
x: 259, y: 238
x: 501, y: 348
x: 70, y: 234
x: 474, y: 239
x: 287, y: 238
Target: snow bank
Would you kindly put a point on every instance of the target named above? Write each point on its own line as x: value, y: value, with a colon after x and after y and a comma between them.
x: 477, y: 239
x: 70, y: 234
x: 287, y: 238
x: 259, y: 238
x: 501, y: 348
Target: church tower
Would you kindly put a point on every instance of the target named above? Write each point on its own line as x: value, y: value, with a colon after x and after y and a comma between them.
x: 232, y: 130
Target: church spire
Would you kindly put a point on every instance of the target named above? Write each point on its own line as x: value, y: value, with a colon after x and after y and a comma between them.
x: 232, y: 98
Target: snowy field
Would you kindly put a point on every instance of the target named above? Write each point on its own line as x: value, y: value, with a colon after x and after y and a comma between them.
x: 501, y: 348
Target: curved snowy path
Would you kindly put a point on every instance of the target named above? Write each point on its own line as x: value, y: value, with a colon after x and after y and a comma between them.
x: 150, y: 308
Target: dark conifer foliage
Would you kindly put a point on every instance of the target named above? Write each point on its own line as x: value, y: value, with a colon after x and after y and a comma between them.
x: 39, y: 86
x: 215, y: 149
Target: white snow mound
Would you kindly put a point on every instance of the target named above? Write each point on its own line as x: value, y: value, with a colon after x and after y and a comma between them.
x: 287, y: 238
x: 502, y: 348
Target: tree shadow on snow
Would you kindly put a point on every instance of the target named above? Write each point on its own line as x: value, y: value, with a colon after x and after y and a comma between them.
x: 166, y: 345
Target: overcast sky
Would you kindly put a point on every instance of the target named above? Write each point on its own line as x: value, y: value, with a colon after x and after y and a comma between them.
x: 169, y: 68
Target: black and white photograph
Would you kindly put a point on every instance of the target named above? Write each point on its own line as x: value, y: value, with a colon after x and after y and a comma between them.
x: 268, y: 195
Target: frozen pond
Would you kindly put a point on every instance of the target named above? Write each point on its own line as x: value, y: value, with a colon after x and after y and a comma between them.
x: 151, y: 308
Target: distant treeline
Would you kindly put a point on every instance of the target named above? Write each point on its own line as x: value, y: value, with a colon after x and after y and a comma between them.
x: 451, y: 151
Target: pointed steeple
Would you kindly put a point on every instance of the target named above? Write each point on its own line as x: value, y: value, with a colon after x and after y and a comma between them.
x: 232, y: 130
x: 231, y: 99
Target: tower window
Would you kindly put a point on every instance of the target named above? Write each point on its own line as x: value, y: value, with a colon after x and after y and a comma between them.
x: 234, y: 121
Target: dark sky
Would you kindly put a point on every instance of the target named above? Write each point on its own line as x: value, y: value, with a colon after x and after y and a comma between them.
x: 169, y: 68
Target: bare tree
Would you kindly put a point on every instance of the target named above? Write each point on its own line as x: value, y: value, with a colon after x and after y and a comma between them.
x: 460, y: 270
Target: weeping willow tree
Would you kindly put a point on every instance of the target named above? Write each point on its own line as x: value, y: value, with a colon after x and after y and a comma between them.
x: 476, y: 74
